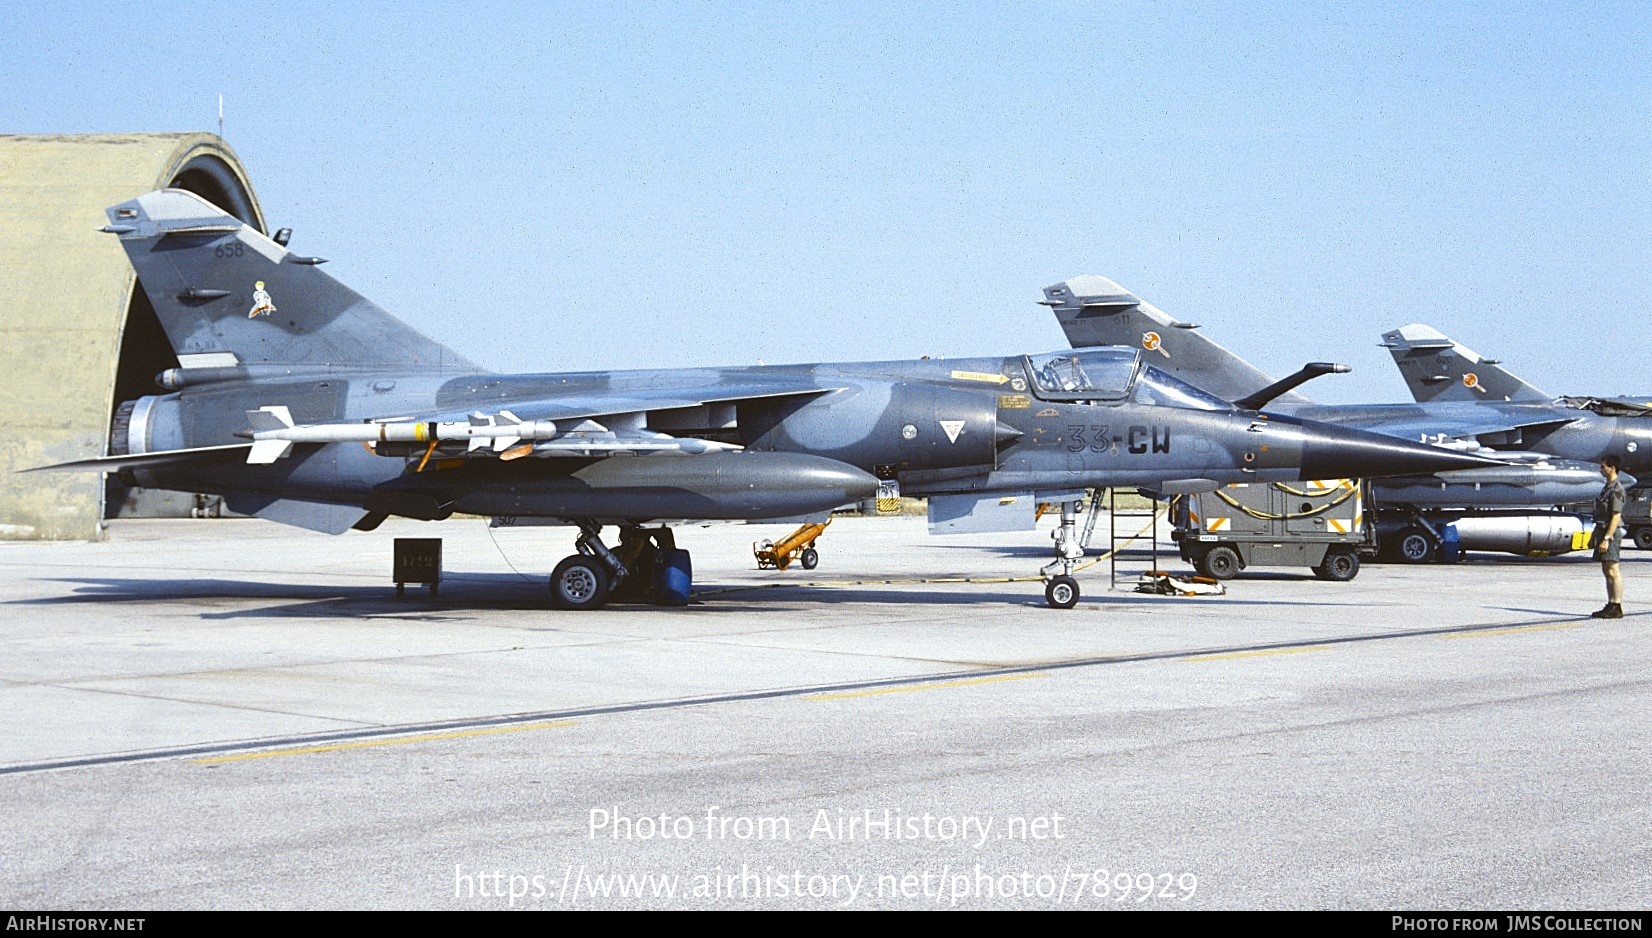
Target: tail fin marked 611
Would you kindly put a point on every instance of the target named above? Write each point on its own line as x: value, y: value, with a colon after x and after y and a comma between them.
x: 1096, y: 311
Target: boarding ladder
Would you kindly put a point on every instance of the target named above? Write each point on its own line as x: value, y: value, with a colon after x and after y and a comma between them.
x: 1135, y: 521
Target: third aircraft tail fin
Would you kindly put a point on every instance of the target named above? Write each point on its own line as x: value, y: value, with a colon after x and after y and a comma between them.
x: 1436, y: 368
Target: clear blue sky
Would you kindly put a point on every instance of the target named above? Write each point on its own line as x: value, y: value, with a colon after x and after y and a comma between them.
x: 552, y: 187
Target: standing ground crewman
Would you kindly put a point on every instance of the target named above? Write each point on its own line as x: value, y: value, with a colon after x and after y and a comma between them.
x: 1609, y: 537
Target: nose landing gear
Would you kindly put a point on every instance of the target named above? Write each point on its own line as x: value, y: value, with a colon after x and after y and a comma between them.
x: 1061, y: 591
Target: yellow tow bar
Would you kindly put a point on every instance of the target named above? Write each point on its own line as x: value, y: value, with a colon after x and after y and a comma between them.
x: 798, y: 545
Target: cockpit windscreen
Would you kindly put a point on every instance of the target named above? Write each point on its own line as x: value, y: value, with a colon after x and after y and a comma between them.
x: 1088, y: 374
x: 1113, y: 373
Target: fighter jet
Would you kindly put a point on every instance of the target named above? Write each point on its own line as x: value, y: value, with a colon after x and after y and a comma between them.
x: 1438, y: 368
x: 300, y: 401
x: 1553, y: 447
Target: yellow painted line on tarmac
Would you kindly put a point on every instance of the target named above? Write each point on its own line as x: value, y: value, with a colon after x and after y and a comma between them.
x: 934, y: 686
x: 1518, y: 628
x: 370, y: 743
x: 1259, y: 654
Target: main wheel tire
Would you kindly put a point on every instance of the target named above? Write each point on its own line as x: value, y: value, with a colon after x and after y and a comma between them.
x: 1339, y: 566
x: 1643, y: 538
x: 579, y: 582
x: 809, y: 558
x: 1061, y: 592
x: 1222, y: 563
x: 1415, y: 546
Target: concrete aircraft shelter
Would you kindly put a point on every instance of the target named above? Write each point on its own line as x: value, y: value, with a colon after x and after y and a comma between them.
x: 76, y: 338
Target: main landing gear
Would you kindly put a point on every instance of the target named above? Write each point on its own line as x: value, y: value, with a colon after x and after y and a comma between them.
x: 648, y: 567
x: 1061, y: 590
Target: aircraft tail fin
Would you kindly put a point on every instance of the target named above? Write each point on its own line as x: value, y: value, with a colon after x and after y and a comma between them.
x: 1096, y: 311
x: 1436, y: 368
x: 226, y: 295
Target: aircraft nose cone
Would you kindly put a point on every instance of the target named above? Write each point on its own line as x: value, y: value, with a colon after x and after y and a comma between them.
x: 1330, y: 452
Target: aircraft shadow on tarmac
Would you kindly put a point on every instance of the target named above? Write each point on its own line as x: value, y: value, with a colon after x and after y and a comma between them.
x: 472, y: 592
x: 458, y: 592
x: 480, y: 592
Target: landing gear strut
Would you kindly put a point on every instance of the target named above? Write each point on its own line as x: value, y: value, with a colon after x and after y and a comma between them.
x: 1061, y: 590
x: 647, y: 568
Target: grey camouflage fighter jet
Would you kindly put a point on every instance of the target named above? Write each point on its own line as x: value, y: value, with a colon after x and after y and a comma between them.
x: 301, y: 402
x: 1437, y: 368
x: 1552, y: 447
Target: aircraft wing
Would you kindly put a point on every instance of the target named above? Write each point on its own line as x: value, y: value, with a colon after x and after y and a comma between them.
x: 644, y: 400
x: 146, y: 460
x: 1435, y: 424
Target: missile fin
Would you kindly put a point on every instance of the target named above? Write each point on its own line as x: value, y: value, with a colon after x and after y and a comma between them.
x: 273, y: 417
x: 265, y: 452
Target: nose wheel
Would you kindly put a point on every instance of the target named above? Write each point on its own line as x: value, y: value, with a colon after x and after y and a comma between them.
x: 1061, y: 592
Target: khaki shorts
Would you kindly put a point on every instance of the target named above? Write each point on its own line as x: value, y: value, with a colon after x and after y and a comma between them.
x: 1611, y: 554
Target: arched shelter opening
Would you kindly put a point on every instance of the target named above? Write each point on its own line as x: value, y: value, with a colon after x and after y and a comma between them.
x: 79, y: 336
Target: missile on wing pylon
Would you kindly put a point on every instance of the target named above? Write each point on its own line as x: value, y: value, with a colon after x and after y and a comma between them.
x: 274, y: 433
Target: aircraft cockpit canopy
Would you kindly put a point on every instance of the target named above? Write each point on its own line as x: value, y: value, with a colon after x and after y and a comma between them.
x: 1113, y: 374
x: 1608, y: 407
x: 1084, y: 374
